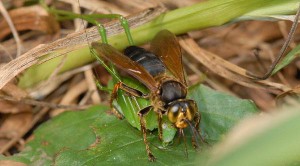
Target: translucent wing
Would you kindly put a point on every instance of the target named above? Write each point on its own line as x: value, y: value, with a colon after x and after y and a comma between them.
x: 166, y: 47
x: 126, y: 64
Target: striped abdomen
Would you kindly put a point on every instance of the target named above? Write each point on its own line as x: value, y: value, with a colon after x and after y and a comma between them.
x: 146, y: 59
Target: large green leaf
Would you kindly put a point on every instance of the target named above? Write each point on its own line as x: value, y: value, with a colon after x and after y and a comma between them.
x: 95, y: 137
x: 219, y: 111
x: 271, y: 140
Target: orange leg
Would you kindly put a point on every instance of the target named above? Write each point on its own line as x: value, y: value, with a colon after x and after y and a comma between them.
x: 141, y: 114
x: 160, y: 131
x: 127, y: 89
x: 112, y: 98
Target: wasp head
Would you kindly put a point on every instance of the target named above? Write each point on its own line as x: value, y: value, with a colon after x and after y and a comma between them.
x: 182, y: 111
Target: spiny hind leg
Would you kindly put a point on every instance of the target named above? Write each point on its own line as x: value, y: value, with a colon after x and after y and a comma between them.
x: 113, y: 109
x: 141, y: 114
x: 127, y: 89
x: 160, y: 130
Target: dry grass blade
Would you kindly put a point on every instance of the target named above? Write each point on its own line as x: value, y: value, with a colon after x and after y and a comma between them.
x: 11, y: 27
x: 294, y: 92
x: 70, y: 43
x: 29, y: 18
x: 224, y: 68
x: 281, y: 52
x: 13, y: 90
x: 92, y: 86
x: 71, y: 95
x: 46, y: 87
x: 99, y: 6
x: 42, y: 103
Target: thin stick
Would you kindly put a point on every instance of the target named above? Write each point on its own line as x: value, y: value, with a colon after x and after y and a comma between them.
x: 12, y: 28
x: 43, y: 104
x: 282, y: 51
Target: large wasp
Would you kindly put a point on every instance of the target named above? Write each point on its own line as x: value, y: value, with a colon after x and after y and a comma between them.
x: 161, y: 71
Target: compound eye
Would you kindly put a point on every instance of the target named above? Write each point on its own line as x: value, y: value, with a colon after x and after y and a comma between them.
x: 191, y: 109
x: 173, y: 112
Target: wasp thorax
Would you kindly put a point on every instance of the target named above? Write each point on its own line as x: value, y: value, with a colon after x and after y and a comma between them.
x: 172, y: 90
x: 181, y: 111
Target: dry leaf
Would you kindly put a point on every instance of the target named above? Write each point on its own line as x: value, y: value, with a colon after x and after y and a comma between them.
x: 14, y: 125
x: 11, y: 163
x: 29, y: 18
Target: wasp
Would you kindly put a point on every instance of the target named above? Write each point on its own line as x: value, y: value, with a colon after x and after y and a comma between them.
x: 161, y: 71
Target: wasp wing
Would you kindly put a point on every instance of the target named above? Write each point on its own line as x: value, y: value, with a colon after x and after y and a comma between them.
x: 166, y: 47
x: 124, y: 63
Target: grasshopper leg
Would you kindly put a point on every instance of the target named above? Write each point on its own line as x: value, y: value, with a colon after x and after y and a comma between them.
x: 141, y: 114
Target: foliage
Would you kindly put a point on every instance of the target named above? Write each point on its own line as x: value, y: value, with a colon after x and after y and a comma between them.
x: 94, y: 136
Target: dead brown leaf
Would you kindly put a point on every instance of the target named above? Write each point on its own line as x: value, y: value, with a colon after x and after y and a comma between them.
x: 14, y: 126
x: 29, y: 18
x: 9, y: 107
x: 224, y: 68
x: 11, y: 163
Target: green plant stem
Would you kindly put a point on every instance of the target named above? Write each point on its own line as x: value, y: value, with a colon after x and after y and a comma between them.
x: 199, y: 16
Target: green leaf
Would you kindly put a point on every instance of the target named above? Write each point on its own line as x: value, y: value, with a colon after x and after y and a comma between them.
x: 69, y: 130
x: 219, y: 111
x: 94, y: 137
x: 273, y: 140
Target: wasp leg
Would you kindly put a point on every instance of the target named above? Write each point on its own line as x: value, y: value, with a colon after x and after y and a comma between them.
x: 127, y: 89
x: 112, y: 98
x: 141, y: 114
x: 160, y: 131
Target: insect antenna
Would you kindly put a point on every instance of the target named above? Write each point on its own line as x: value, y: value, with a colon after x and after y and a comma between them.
x: 181, y: 134
x: 196, y: 134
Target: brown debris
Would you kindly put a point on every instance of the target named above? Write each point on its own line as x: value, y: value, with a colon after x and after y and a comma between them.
x: 11, y: 163
x: 12, y: 129
x: 29, y: 18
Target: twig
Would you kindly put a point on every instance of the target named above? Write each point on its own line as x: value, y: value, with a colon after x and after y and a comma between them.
x: 224, y: 68
x: 12, y: 28
x: 281, y: 52
x: 42, y: 103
